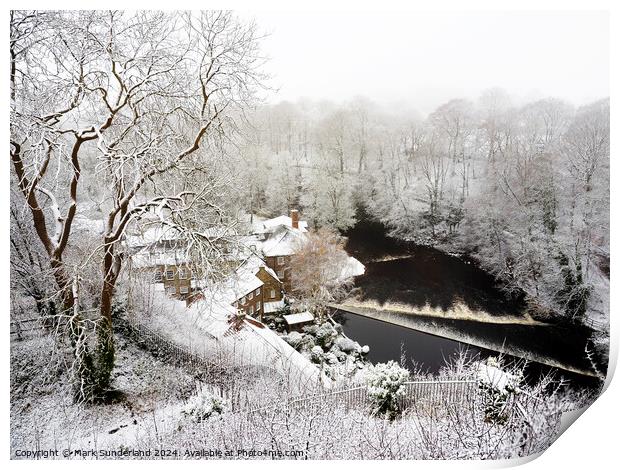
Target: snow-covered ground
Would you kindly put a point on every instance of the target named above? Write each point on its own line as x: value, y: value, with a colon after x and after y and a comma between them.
x: 205, y: 327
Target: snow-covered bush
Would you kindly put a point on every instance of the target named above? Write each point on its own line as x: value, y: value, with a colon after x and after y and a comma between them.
x: 325, y: 335
x: 202, y: 406
x: 497, y: 385
x: 385, y: 386
x: 294, y: 338
x: 330, y: 358
x: 325, y: 344
x: 347, y: 345
x: 316, y: 354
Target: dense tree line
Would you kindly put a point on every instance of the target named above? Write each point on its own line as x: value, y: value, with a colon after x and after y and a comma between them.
x: 523, y: 188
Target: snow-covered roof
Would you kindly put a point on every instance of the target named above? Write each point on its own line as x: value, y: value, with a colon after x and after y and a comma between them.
x: 240, y: 284
x: 272, y: 307
x: 254, y: 263
x: 272, y: 273
x: 283, y: 243
x: 210, y: 314
x: 146, y: 258
x: 296, y: 318
x: 286, y: 221
x: 218, y: 232
x: 152, y: 235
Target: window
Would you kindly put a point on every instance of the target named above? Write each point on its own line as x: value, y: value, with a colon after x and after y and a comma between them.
x: 280, y: 274
x: 258, y: 306
x: 158, y: 276
x: 273, y: 293
x: 184, y: 290
x: 171, y: 290
x: 251, y: 295
x: 182, y: 273
x: 169, y: 275
x: 280, y: 260
x: 251, y: 309
x: 257, y: 292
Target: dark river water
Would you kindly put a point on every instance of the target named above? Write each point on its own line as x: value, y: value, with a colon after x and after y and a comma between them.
x: 417, y: 276
x: 388, y: 342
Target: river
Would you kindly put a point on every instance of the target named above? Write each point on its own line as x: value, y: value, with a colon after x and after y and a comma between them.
x: 406, y: 274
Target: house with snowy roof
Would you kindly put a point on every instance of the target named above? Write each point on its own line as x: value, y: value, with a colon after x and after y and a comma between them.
x: 256, y: 289
x: 160, y: 251
x: 281, y: 238
x: 262, y: 259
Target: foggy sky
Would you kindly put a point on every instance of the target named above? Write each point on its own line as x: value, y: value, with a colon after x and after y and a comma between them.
x: 425, y: 59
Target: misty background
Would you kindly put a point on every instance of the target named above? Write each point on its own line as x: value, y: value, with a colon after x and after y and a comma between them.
x: 423, y: 59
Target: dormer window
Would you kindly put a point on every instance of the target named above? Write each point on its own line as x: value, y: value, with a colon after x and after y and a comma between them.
x: 280, y: 260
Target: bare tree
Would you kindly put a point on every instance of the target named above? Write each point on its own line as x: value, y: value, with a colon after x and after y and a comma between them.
x: 317, y: 270
x: 139, y: 94
x: 587, y: 141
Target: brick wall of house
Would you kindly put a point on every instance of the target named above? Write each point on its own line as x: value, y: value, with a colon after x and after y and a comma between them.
x: 272, y: 289
x: 280, y: 264
x: 251, y: 303
x: 177, y: 280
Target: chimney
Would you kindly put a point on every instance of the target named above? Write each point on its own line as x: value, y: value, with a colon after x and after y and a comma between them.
x: 294, y: 218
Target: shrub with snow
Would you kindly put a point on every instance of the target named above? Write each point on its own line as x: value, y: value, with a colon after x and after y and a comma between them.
x: 498, y: 385
x: 330, y: 358
x: 385, y: 386
x: 294, y: 338
x: 325, y: 335
x: 202, y: 406
x: 348, y: 345
x: 311, y: 329
x: 316, y: 354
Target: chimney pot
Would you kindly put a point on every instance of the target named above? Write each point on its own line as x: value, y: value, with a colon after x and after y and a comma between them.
x: 294, y: 218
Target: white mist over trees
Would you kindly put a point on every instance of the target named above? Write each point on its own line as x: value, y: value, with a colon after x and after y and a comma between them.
x: 524, y: 189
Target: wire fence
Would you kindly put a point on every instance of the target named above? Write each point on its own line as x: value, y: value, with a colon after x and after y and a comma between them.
x: 415, y: 393
x: 594, y: 324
